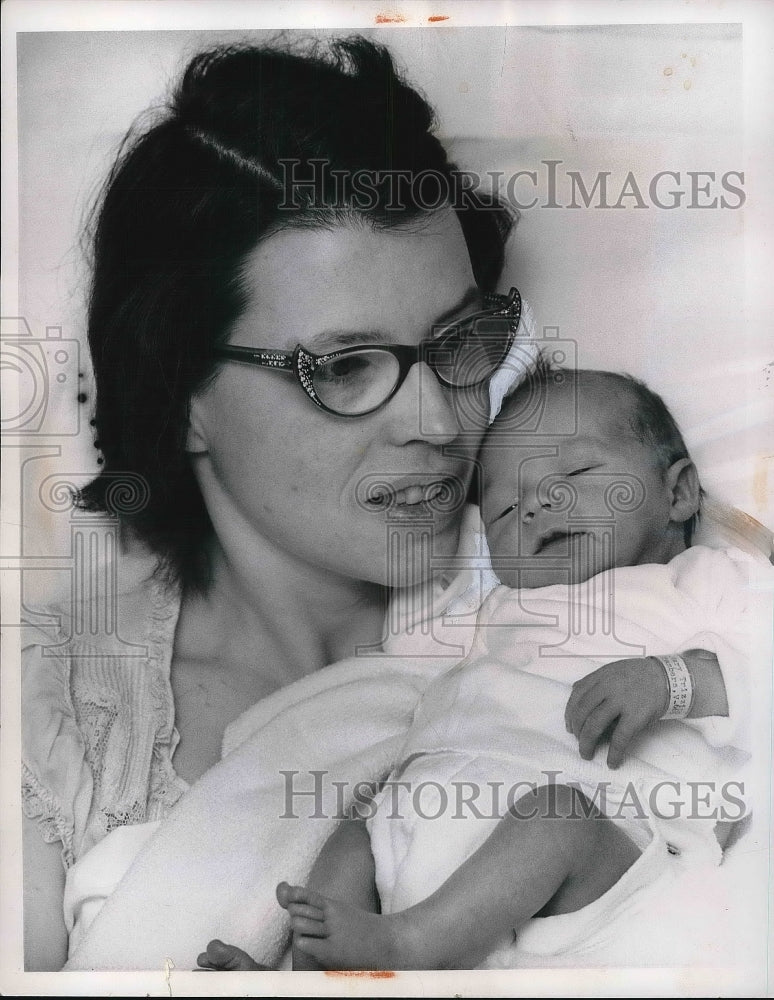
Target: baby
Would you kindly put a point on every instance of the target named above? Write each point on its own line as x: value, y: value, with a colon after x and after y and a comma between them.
x: 589, y: 503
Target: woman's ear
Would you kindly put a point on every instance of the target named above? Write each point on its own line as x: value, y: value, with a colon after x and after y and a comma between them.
x: 682, y: 481
x: 196, y: 440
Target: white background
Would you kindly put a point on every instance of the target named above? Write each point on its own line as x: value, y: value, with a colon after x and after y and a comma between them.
x: 663, y: 294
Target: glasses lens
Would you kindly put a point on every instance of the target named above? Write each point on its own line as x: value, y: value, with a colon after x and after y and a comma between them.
x: 471, y: 353
x: 357, y: 382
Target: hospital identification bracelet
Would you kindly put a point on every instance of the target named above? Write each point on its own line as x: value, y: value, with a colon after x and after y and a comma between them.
x: 680, y: 686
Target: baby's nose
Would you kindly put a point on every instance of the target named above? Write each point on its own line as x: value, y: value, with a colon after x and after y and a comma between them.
x: 530, y: 507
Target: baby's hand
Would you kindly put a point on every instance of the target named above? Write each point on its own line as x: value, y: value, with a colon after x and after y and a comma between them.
x: 228, y: 958
x: 619, y: 700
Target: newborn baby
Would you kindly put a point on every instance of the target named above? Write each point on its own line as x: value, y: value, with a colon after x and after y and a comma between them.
x: 609, y: 629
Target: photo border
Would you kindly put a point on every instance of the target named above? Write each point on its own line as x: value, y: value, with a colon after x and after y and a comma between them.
x: 757, y: 19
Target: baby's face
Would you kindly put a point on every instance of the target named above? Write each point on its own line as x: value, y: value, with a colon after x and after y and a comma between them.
x: 575, y: 497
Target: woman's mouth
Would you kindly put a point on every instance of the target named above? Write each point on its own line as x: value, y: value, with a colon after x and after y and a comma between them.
x: 409, y: 496
x: 416, y: 499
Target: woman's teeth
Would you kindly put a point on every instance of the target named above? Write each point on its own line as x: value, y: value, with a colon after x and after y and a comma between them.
x: 417, y: 494
x: 410, y: 496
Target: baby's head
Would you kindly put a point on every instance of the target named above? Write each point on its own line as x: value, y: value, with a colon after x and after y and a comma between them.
x: 583, y: 471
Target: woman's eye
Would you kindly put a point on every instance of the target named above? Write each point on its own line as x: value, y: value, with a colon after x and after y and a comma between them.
x: 342, y: 368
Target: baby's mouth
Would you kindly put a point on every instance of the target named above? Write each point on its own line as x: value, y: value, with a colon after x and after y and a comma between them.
x: 550, y: 539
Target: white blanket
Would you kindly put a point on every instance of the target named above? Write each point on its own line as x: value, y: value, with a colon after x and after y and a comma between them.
x: 493, y: 726
x: 211, y: 869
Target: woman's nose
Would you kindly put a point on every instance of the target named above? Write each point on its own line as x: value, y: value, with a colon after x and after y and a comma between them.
x: 422, y: 409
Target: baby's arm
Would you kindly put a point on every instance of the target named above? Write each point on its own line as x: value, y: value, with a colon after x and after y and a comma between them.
x: 624, y: 697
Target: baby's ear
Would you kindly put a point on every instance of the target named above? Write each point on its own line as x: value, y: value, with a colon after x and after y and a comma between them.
x: 682, y: 481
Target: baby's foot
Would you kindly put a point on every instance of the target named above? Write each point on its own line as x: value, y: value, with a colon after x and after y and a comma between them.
x: 227, y: 958
x: 341, y: 936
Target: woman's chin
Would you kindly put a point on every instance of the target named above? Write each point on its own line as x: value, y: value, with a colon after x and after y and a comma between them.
x: 418, y: 553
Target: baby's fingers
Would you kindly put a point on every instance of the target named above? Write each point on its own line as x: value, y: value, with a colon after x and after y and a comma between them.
x: 580, y: 690
x: 583, y: 707
x: 594, y: 727
x: 624, y: 733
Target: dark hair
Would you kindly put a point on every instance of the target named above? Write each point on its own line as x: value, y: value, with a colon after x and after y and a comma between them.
x: 649, y: 418
x: 189, y: 197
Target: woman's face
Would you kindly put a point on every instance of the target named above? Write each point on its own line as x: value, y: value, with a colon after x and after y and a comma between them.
x: 275, y: 470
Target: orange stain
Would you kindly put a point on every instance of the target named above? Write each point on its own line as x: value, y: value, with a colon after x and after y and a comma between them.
x: 434, y: 18
x: 362, y: 975
x: 390, y: 18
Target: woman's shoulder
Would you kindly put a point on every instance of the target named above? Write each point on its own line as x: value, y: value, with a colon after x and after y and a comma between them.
x: 104, y: 638
x: 97, y: 709
x: 117, y: 604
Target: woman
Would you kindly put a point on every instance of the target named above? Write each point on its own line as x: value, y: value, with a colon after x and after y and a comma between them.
x: 247, y: 244
x: 267, y: 495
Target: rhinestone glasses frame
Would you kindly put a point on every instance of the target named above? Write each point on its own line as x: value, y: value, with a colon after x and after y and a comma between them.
x: 302, y: 363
